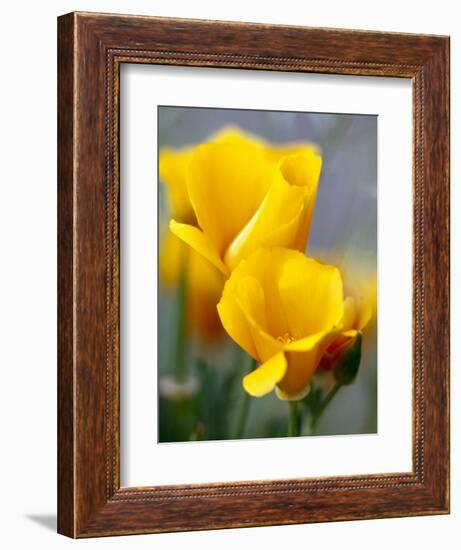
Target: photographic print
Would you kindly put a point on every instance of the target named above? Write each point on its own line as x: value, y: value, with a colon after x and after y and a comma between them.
x: 267, y: 274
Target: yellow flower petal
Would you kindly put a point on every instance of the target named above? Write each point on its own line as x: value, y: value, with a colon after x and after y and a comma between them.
x: 263, y: 379
x: 303, y: 169
x: 282, y: 204
x: 368, y: 299
x: 199, y: 242
x: 234, y: 135
x: 280, y: 300
x: 276, y: 152
x: 262, y: 267
x: 243, y: 310
x: 171, y: 258
x: 311, y: 294
x: 173, y: 165
x: 226, y: 185
x: 360, y: 285
x: 234, y: 323
x: 265, y: 345
x: 303, y: 358
x: 350, y: 313
x: 249, y: 293
x: 310, y: 343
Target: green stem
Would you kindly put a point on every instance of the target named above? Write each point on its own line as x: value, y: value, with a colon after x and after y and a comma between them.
x: 244, y: 402
x: 318, y: 413
x: 294, y: 423
x: 179, y: 353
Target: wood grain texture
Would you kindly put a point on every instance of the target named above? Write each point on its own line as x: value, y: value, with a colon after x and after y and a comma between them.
x: 91, y: 49
x: 66, y: 156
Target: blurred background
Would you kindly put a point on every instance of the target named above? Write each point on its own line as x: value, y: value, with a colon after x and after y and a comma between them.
x: 209, y: 402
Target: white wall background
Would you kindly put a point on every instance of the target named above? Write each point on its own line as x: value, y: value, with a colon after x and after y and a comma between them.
x: 28, y: 271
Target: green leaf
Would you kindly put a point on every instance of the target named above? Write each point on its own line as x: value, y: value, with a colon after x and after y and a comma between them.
x: 349, y: 362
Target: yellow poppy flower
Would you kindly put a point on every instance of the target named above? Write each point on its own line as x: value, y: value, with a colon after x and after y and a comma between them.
x: 284, y: 309
x: 245, y: 195
x: 173, y: 167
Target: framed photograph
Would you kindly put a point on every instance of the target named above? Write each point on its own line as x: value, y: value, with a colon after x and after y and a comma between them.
x: 253, y: 254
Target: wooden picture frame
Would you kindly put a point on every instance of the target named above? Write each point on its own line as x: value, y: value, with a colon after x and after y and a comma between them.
x: 91, y: 48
